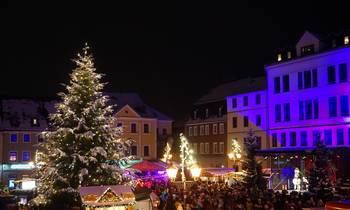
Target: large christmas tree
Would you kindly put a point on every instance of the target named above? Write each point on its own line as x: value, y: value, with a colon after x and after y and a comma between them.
x: 82, y: 142
x: 253, y: 177
x: 320, y: 174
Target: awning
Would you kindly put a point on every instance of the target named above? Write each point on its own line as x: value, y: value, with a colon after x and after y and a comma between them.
x: 146, y: 165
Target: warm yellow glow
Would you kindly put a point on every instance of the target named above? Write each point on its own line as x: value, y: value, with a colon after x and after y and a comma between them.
x: 238, y: 156
x: 346, y: 40
x: 195, y: 171
x: 230, y: 155
x: 172, y: 172
x: 279, y: 57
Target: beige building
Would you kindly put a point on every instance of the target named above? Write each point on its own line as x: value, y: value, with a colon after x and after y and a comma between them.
x: 22, y: 120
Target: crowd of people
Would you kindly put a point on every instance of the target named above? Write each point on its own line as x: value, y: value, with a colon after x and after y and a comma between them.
x: 221, y: 196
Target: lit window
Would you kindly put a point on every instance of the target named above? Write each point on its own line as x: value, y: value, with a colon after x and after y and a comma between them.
x: 26, y: 137
x: 35, y: 121
x: 279, y: 57
x: 26, y: 156
x: 289, y: 55
x: 13, y: 156
x: 346, y: 40
x: 13, y: 138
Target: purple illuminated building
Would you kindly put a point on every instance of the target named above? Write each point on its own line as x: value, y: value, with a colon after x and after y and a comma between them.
x: 307, y: 99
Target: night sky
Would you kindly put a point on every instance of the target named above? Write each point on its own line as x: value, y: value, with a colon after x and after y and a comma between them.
x: 169, y: 54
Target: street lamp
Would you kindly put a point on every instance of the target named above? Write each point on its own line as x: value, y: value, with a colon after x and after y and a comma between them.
x: 172, y: 172
x: 195, y: 171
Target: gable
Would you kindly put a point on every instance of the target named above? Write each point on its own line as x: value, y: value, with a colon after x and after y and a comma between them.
x: 109, y: 196
x: 127, y: 111
x: 306, y: 40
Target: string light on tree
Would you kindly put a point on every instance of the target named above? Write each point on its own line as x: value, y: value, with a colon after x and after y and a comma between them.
x: 167, y: 156
x: 186, y: 155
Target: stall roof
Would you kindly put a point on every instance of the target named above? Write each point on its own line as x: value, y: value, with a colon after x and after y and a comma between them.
x: 146, y: 165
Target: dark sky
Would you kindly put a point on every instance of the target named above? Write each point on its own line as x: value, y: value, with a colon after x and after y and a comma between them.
x: 169, y: 54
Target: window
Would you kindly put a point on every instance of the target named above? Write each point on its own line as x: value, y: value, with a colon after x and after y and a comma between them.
x: 300, y: 80
x: 315, y: 108
x: 26, y: 138
x: 328, y: 137
x: 133, y: 128
x: 220, y: 112
x: 344, y: 105
x: 301, y: 110
x: 35, y: 121
x: 331, y: 75
x: 119, y: 125
x: 221, y: 147
x: 201, y: 130
x: 308, y: 109
x: 279, y: 57
x: 303, y: 138
x: 340, y: 136
x: 285, y: 83
x: 343, y: 72
x: 245, y: 101
x: 145, y: 128
x: 221, y: 128
x: 293, y: 139
x: 245, y: 121
x: 195, y: 130
x: 164, y: 131
x: 190, y: 131
x: 258, y: 142
x: 314, y: 78
x: 278, y: 113
x: 277, y: 85
x: 206, y: 130
x: 215, y: 128
x: 26, y: 156
x: 146, y: 151
x: 195, y: 114
x: 206, y: 148
x: 215, y: 148
x: 258, y: 99
x: 195, y: 148
x: 346, y: 39
x: 332, y: 105
x: 201, y: 148
x: 286, y: 111
x: 307, y: 50
x: 234, y: 102
x: 316, y: 137
x: 206, y: 113
x: 307, y: 79
x: 13, y: 138
x: 12, y: 156
x: 274, y: 140
x: 283, y: 139
x: 134, y: 150
x: 289, y: 54
x: 234, y: 122
x: 258, y: 120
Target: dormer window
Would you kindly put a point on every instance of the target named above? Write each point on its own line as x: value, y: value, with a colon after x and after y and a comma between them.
x: 334, y: 43
x: 206, y: 113
x: 289, y: 54
x: 220, y: 111
x: 346, y: 40
x: 307, y: 50
x: 195, y: 114
x: 279, y: 57
x: 35, y: 121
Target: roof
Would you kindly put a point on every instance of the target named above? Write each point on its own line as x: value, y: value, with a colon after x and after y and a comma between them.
x: 137, y: 104
x: 17, y: 114
x: 233, y: 88
x: 296, y: 149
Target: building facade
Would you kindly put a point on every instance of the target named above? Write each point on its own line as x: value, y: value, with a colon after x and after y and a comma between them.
x: 308, y: 98
x: 247, y: 111
x: 23, y: 120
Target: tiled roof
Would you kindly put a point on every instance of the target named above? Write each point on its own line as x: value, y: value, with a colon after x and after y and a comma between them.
x: 233, y: 88
x: 135, y: 102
